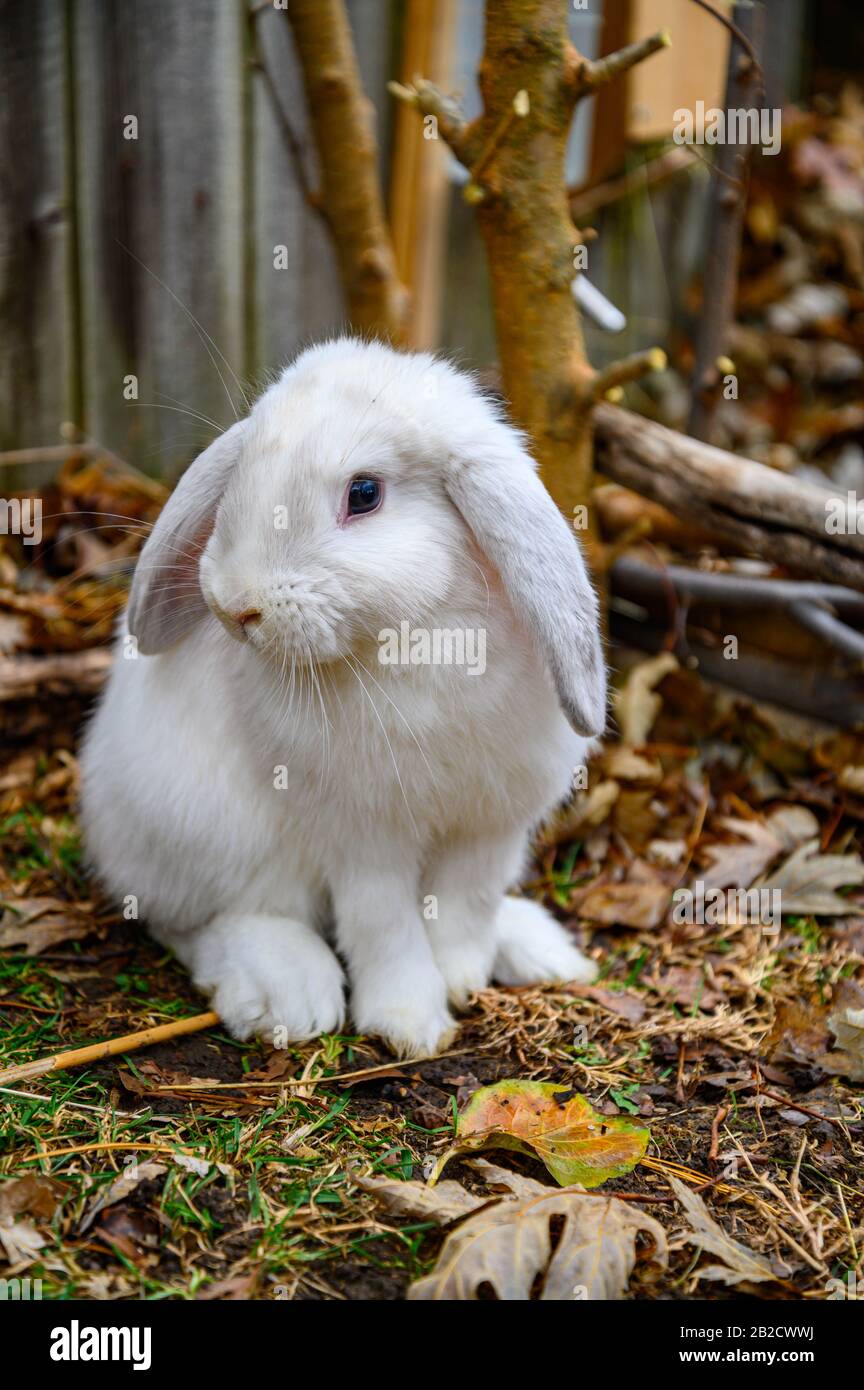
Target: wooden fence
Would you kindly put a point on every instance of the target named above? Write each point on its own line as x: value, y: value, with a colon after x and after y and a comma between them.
x: 145, y: 183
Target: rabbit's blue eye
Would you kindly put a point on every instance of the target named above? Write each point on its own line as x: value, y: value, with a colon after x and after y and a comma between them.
x: 364, y: 495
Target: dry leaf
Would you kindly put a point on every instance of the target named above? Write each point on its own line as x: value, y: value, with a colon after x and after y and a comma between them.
x: 739, y: 865
x: 686, y: 985
x: 560, y: 1126
x: 740, y: 1265
x: 636, y: 705
x: 808, y: 879
x: 507, y: 1244
x: 20, y: 1239
x: 508, y: 1247
x: 801, y: 1033
x: 40, y: 923
x: 241, y: 1287
x: 666, y: 852
x: 626, y: 904
x: 846, y: 1022
x: 617, y: 1001
x: 199, y: 1166
x: 591, y: 808
x: 851, y: 779
x: 443, y: 1203
x: 625, y: 765
x: 793, y: 825
x: 31, y: 1194
x: 847, y: 1025
x: 121, y: 1187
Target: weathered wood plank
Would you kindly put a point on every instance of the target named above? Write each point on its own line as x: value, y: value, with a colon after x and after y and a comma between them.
x: 189, y: 213
x: 295, y: 292
x: 165, y: 207
x: 36, y: 307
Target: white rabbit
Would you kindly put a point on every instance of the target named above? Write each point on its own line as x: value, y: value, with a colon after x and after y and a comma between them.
x: 267, y: 788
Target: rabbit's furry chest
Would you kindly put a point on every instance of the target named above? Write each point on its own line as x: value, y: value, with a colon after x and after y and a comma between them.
x: 226, y: 788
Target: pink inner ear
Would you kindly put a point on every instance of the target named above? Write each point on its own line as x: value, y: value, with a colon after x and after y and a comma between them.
x: 193, y: 546
x: 490, y: 573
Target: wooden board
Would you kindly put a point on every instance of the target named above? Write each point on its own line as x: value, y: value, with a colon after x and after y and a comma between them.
x: 639, y: 107
x: 299, y: 299
x: 38, y: 387
x: 160, y: 220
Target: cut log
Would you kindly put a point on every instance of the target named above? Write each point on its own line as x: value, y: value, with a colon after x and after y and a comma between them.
x: 63, y: 673
x: 764, y: 513
x: 829, y: 696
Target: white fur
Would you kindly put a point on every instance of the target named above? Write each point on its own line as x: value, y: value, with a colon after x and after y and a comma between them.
x: 407, y: 786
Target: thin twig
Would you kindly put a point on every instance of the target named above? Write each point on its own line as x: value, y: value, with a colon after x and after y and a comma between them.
x: 113, y: 1047
x: 612, y: 377
x: 584, y: 202
x: 519, y: 108
x: 726, y: 222
x: 430, y: 101
x: 736, y: 34
x: 588, y: 76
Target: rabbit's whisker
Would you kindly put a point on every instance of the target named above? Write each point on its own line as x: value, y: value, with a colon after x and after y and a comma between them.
x: 386, y: 740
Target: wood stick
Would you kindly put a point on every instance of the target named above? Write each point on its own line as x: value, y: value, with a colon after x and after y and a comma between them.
x: 585, y: 201
x: 48, y: 453
x: 766, y: 513
x: 64, y: 673
x: 631, y: 368
x: 588, y: 76
x: 95, y: 1052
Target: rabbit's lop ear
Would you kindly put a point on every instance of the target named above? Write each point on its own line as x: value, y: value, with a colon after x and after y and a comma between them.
x: 165, y: 602
x: 519, y: 528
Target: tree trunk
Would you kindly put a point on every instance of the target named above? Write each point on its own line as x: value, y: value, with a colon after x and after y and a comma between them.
x: 343, y: 122
x: 530, y: 239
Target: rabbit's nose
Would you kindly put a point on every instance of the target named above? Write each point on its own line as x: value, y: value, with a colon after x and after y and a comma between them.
x: 247, y: 618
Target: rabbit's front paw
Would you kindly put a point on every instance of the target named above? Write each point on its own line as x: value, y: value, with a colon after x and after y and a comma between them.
x: 413, y: 1023
x: 533, y: 949
x: 270, y: 977
x: 465, y: 963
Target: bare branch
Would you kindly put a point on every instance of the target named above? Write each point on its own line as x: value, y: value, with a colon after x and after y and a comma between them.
x: 429, y: 100
x: 737, y: 33
x: 791, y: 684
x: 342, y: 121
x: 586, y: 76
x: 584, y: 202
x: 823, y: 624
x: 639, y: 579
x: 610, y: 379
x: 725, y: 222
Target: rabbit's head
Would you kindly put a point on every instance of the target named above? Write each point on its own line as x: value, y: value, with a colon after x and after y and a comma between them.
x: 363, y: 489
